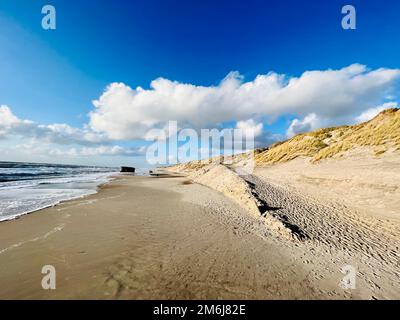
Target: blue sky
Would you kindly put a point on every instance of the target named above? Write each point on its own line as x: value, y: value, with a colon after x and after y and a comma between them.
x: 52, y: 76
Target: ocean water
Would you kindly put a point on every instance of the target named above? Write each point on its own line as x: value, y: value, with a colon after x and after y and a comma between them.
x: 27, y: 187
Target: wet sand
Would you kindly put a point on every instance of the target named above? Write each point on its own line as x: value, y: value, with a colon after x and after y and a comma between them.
x: 150, y: 238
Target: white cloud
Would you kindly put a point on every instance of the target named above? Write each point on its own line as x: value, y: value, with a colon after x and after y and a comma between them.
x: 316, y: 98
x: 7, y: 118
x: 308, y: 123
x: 372, y: 112
x: 250, y: 127
x: 8, y: 121
x: 52, y: 140
x: 125, y: 113
x: 53, y: 133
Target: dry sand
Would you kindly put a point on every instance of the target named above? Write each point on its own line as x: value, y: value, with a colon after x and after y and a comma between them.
x: 366, y: 183
x: 343, y: 211
x: 168, y: 238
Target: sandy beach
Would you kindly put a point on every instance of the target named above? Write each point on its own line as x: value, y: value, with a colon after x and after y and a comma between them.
x: 144, y: 237
x: 336, y: 214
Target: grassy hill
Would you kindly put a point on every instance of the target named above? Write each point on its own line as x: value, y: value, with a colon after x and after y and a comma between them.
x: 381, y: 134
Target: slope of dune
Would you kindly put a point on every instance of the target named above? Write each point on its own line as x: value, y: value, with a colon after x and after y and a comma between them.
x: 357, y: 165
x: 381, y: 134
x: 345, y: 208
x: 334, y: 190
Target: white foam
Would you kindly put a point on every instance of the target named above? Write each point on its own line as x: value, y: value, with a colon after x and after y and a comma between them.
x: 24, y: 197
x: 45, y: 236
x: 87, y: 178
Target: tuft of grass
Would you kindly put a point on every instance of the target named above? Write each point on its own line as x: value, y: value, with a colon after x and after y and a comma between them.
x: 379, y: 152
x: 306, y: 145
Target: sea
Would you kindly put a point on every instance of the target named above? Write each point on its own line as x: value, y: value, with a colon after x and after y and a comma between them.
x: 28, y: 187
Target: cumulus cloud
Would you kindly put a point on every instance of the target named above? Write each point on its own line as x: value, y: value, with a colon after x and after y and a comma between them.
x: 316, y: 98
x: 8, y: 121
x: 54, y: 139
x: 373, y: 112
x: 308, y: 123
x: 53, y: 133
x: 250, y: 127
x: 125, y: 113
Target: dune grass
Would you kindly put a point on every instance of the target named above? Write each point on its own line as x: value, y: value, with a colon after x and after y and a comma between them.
x: 380, y: 133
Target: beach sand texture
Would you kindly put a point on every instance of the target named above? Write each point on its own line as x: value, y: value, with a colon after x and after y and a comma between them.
x: 134, y: 239
x: 143, y: 237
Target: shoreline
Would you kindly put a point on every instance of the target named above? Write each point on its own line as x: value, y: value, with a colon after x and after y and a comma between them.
x: 90, y: 192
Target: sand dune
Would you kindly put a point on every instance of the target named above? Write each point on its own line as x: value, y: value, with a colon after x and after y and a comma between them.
x: 335, y: 191
x: 378, y: 136
x: 332, y: 229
